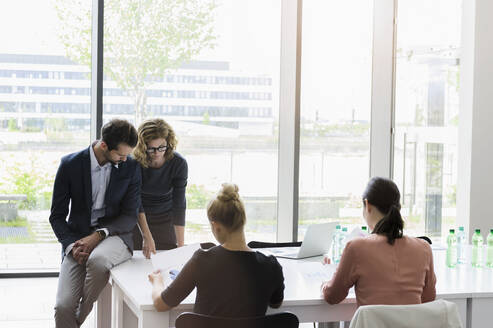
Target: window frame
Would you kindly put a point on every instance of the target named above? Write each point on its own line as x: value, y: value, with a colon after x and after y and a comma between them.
x: 382, y: 105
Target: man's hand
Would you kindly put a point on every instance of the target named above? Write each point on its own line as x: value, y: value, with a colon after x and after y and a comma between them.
x: 83, y: 247
x: 79, y: 255
x: 148, y: 246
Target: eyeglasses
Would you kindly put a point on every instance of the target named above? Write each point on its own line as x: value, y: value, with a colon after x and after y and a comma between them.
x: 161, y: 149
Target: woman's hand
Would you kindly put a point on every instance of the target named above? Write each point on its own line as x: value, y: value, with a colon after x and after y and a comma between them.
x: 148, y: 246
x: 156, y: 278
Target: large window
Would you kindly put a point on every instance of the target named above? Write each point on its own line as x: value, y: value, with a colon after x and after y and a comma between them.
x: 211, y: 70
x: 44, y: 114
x: 335, y: 111
x: 426, y: 113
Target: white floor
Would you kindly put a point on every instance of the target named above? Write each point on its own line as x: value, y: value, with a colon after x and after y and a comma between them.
x: 28, y: 303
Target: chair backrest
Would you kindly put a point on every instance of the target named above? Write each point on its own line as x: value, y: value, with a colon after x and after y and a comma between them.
x: 261, y: 244
x: 428, y: 240
x: 277, y: 320
x: 207, y: 245
x: 436, y: 314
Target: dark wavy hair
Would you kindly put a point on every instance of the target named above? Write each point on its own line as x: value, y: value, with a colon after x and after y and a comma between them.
x: 385, y: 196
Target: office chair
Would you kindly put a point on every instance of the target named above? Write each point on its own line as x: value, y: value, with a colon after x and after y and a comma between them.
x: 261, y: 244
x: 277, y: 320
x: 207, y: 245
x: 439, y: 313
x: 425, y: 238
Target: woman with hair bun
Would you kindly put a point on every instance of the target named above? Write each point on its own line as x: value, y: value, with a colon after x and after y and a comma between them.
x: 385, y: 267
x: 232, y: 280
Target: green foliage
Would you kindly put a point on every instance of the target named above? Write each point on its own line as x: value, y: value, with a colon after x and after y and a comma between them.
x: 327, y: 130
x: 454, y: 121
x: 18, y: 240
x: 143, y: 40
x: 197, y: 196
x: 55, y: 124
x: 12, y: 125
x: 28, y: 128
x: 452, y: 195
x: 30, y: 180
x: 18, y: 222
x: 207, y: 118
x: 419, y: 117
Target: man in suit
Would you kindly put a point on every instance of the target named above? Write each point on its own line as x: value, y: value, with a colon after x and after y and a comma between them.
x: 101, y: 187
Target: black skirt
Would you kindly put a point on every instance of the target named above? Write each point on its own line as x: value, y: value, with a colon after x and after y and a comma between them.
x: 162, y: 230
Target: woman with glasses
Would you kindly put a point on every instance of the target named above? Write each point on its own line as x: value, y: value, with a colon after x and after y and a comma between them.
x: 161, y: 223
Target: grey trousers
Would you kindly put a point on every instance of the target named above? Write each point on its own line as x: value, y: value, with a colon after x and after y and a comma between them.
x: 79, y: 285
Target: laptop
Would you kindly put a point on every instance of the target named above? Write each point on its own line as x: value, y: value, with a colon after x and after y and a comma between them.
x: 318, y: 238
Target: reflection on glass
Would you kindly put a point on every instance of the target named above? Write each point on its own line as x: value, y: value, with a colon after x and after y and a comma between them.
x: 426, y: 113
x: 44, y: 115
x: 211, y: 70
x: 335, y: 111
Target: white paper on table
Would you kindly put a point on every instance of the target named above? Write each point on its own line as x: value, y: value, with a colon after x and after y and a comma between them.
x: 311, y: 271
x: 173, y: 258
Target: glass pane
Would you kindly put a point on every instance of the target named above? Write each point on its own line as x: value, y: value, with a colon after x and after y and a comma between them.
x: 44, y: 115
x: 335, y: 111
x: 212, y: 72
x: 426, y: 113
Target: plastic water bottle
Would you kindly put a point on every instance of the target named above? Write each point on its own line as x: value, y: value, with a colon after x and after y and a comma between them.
x: 461, y: 246
x: 342, y: 241
x: 489, y: 252
x: 477, y: 249
x: 451, y: 249
x: 336, y: 256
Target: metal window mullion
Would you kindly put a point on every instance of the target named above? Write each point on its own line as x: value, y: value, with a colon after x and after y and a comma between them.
x: 289, y: 121
x: 96, y: 112
x: 383, y: 88
x: 97, y: 69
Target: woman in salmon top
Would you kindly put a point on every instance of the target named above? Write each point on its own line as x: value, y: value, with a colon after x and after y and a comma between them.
x: 386, y: 267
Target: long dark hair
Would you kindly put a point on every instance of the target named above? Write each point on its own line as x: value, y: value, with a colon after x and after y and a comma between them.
x: 384, y: 195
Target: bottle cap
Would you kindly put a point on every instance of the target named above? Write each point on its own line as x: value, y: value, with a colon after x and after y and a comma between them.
x: 478, y: 230
x: 344, y: 229
x: 338, y: 226
x: 452, y: 231
x: 363, y: 228
x: 491, y: 230
x: 461, y: 228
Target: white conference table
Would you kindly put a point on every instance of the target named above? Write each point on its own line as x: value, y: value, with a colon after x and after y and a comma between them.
x: 127, y: 301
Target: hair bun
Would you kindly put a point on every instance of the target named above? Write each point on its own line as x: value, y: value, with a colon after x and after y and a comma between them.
x: 228, y: 192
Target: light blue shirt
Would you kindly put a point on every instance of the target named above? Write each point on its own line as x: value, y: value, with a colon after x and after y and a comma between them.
x: 100, y: 178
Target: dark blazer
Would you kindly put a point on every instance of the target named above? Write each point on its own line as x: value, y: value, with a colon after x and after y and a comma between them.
x: 73, y: 186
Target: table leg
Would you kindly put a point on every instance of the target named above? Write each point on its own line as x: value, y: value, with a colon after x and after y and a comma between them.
x: 103, y: 308
x: 154, y: 319
x: 481, y: 312
x: 116, y: 307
